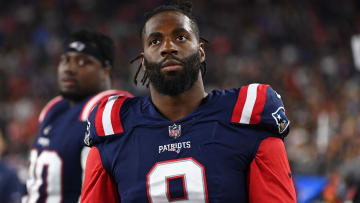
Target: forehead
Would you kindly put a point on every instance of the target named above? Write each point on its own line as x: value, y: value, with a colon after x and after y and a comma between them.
x: 167, y: 21
x: 75, y: 54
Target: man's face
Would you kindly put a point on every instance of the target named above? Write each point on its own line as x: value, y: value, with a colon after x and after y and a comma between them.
x: 172, y: 53
x: 79, y: 75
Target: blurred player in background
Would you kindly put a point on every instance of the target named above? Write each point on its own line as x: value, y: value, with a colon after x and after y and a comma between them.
x: 58, y: 156
x: 182, y: 143
x: 10, y: 187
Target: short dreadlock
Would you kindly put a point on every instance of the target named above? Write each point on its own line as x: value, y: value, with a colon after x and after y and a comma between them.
x: 182, y: 6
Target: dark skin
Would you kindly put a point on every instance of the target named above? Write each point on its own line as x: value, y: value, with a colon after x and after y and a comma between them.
x: 2, y: 144
x: 171, y: 33
x: 81, y: 73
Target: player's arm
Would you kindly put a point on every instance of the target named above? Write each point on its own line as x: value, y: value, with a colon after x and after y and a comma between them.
x: 83, y: 157
x: 269, y: 177
x: 98, y: 185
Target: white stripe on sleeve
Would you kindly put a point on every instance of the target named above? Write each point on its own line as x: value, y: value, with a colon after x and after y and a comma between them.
x: 106, y: 117
x: 249, y: 103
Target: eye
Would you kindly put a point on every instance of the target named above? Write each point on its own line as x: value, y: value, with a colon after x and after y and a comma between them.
x: 181, y: 38
x: 154, y: 42
x: 64, y: 59
x: 83, y: 61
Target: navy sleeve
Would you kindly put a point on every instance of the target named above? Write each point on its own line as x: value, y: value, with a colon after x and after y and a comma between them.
x: 260, y: 106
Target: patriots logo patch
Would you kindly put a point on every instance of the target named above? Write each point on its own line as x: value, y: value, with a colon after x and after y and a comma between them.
x: 281, y: 120
x: 78, y: 46
x: 87, y: 134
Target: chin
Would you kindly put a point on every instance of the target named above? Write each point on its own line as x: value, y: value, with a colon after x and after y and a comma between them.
x: 73, y: 95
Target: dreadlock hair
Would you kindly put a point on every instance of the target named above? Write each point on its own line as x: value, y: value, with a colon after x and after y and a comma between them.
x: 181, y: 6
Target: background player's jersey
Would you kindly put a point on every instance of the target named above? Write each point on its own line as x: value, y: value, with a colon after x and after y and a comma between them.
x: 204, y: 157
x: 10, y: 187
x: 58, y: 155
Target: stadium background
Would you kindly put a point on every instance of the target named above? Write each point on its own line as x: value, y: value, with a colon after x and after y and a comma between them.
x: 302, y: 48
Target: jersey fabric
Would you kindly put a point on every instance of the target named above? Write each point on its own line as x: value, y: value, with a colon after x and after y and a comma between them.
x: 229, y: 149
x: 10, y: 187
x: 58, y: 155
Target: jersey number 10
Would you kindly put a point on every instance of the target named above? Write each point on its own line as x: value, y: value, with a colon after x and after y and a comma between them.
x: 50, y: 162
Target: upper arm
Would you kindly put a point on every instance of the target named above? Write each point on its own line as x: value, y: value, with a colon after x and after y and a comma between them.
x: 269, y: 178
x: 98, y: 184
x: 83, y: 157
x: 105, y: 120
x: 260, y: 105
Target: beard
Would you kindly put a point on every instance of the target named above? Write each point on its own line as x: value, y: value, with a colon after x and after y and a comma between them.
x: 176, y: 82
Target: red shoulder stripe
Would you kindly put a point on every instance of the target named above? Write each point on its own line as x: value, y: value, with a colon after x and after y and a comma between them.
x: 98, y: 118
x: 259, y: 104
x: 250, y: 104
x: 239, y: 104
x: 88, y: 107
x: 107, y: 118
x: 115, y: 115
x: 48, y: 106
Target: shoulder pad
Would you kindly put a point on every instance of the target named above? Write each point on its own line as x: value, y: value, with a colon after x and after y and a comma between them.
x: 48, y: 107
x: 105, y: 120
x: 91, y: 103
x: 259, y: 104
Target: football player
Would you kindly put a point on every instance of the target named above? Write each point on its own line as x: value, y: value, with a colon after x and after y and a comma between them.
x: 182, y: 143
x: 58, y: 156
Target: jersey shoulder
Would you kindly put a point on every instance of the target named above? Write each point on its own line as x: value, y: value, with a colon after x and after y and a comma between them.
x: 260, y: 105
x: 93, y: 101
x: 51, y: 107
x: 107, y: 117
x: 58, y: 104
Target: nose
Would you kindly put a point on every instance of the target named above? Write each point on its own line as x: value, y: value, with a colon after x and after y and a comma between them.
x: 70, y: 67
x: 168, y: 48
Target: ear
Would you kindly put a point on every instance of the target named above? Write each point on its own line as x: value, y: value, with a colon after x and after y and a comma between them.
x: 202, y: 52
x: 143, y: 61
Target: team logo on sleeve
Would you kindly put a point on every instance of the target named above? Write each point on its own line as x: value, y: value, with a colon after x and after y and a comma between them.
x: 175, y: 131
x: 277, y: 94
x: 47, y: 129
x: 87, y: 134
x: 281, y: 120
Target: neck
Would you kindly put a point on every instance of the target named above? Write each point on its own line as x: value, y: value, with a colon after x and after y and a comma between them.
x: 177, y: 107
x: 105, y: 86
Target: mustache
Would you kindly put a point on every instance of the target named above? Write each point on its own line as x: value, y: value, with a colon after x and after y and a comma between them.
x: 170, y: 56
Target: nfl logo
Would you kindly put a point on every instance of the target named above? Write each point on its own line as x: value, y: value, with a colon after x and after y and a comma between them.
x: 175, y: 131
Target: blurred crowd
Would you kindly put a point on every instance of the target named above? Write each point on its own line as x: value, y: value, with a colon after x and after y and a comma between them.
x: 302, y: 48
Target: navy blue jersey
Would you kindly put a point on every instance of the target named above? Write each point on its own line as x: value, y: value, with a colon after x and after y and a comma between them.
x: 58, y: 155
x: 10, y: 186
x: 203, y: 157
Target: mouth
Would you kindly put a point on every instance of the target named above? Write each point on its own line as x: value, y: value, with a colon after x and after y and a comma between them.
x: 68, y: 82
x: 171, y: 65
